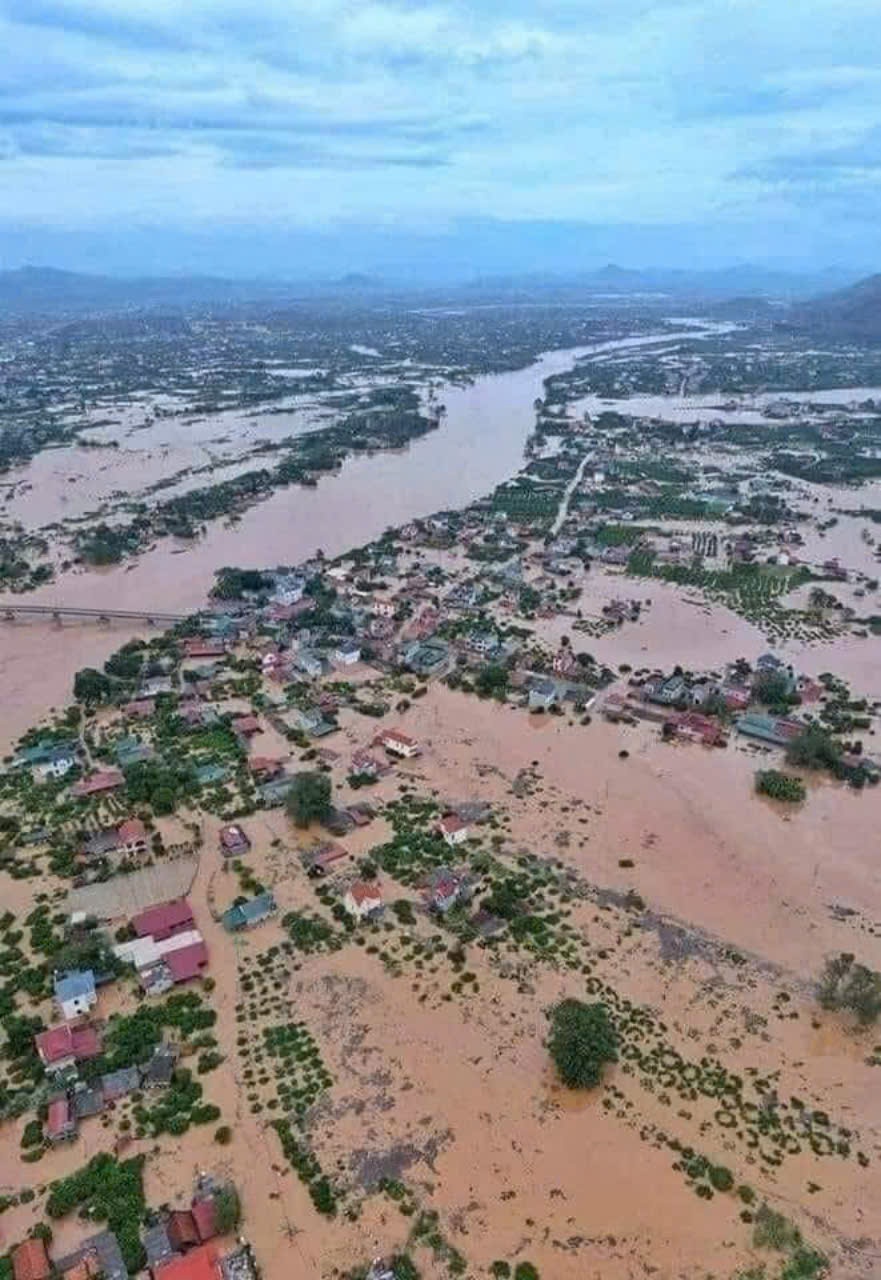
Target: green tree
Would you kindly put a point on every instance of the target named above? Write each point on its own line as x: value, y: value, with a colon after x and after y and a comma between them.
x: 309, y: 799
x: 228, y: 1209
x: 91, y: 686
x: 492, y: 681
x: 581, y: 1042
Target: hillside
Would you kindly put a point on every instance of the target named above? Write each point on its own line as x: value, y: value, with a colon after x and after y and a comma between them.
x: 850, y: 313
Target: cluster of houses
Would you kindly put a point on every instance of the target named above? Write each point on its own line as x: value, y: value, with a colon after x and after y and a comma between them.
x: 167, y: 949
x: 181, y: 1244
x: 690, y: 709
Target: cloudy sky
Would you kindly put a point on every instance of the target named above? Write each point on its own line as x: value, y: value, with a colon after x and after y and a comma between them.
x: 228, y: 133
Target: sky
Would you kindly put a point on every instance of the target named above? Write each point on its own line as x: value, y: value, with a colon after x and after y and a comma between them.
x: 312, y: 136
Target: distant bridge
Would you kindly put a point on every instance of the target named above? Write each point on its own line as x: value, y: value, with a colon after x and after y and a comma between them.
x: 60, y: 613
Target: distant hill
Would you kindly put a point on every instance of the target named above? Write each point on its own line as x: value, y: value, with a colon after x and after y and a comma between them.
x: 850, y: 313
x: 36, y: 289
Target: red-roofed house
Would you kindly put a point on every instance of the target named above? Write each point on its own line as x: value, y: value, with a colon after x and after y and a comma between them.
x: 453, y: 829
x: 60, y: 1123
x: 246, y: 726
x: 363, y: 899
x: 164, y: 921
x: 199, y: 647
x: 132, y: 837
x: 198, y: 1264
x: 187, y: 963
x: 63, y: 1046
x: 140, y: 709
x: 205, y: 1217
x: 180, y: 1226
x: 104, y: 780
x: 265, y: 767
x: 396, y: 742
x: 30, y: 1261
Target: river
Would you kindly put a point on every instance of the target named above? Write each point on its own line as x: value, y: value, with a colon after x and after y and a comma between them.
x: 479, y: 443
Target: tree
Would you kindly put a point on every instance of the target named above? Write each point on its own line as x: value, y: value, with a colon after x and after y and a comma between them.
x: 309, y: 798
x: 228, y: 1209
x: 780, y: 786
x: 91, y: 686
x: 814, y: 749
x: 492, y: 681
x: 582, y: 1041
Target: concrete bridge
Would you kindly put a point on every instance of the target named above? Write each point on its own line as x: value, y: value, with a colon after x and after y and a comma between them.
x: 61, y: 613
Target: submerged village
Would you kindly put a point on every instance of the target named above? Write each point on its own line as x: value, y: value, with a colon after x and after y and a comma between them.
x: 306, y: 895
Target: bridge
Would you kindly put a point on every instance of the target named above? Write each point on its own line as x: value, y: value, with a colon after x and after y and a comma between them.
x: 60, y: 613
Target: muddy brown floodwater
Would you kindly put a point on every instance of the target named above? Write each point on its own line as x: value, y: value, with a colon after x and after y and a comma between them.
x: 479, y: 444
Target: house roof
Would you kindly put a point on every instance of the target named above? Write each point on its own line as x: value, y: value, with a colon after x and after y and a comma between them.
x: 167, y: 917
x: 198, y: 1264
x: 68, y: 1041
x: 104, y: 780
x: 246, y: 724
x: 396, y: 735
x: 205, y: 1217
x: 157, y: 1245
x: 188, y: 962
x: 181, y: 1227
x: 59, y: 1116
x: 130, y: 830
x: 365, y: 891
x: 232, y: 836
x: 30, y: 1260
x: 99, y: 1254
x: 451, y: 824
x: 116, y: 1084
x: 72, y: 986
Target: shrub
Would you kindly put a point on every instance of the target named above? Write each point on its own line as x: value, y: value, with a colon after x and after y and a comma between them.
x: 721, y: 1178
x: 780, y: 786
x: 223, y: 1135
x: 525, y: 1271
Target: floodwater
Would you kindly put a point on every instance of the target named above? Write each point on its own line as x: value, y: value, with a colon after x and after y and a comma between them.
x: 480, y: 443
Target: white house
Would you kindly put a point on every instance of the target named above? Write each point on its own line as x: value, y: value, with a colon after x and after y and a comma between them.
x: 453, y: 829
x: 383, y: 608
x: 363, y: 899
x: 347, y: 653
x: 288, y: 590
x: 75, y: 993
x: 398, y: 743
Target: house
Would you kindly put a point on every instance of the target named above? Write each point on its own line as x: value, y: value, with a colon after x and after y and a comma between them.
x: 779, y: 731
x: 164, y: 921
x: 397, y: 743
x: 56, y: 763
x: 182, y: 1233
x: 246, y: 915
x: 186, y: 963
x: 140, y: 709
x: 128, y: 839
x: 99, y: 1255
x: 154, y: 686
x: 62, y: 1047
x: 200, y: 1263
x: 264, y: 768
x: 204, y: 1211
x: 30, y: 1261
x: 233, y: 841
x: 99, y: 783
x: 736, y: 697
x: 318, y: 860
x: 274, y: 793
x: 543, y: 695
x: 131, y: 750
x: 60, y: 1123
x: 364, y: 764
x: 309, y: 663
x: 159, y: 1070
x: 119, y: 1084
x: 157, y: 1245
x: 87, y: 1101
x: 666, y: 691
x: 691, y: 726
x: 347, y: 654
x: 75, y: 993
x: 199, y: 647
x: 444, y: 890
x: 453, y: 829
x: 383, y: 608
x: 246, y: 727
x: 288, y: 589
x: 48, y: 759
x: 363, y: 899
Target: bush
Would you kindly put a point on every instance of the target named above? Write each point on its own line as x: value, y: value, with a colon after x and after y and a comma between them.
x: 780, y: 786
x: 33, y: 1134
x: 582, y: 1041
x: 721, y: 1178
x: 525, y: 1271
x: 223, y: 1135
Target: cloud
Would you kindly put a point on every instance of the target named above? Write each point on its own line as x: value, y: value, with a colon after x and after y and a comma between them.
x: 670, y: 111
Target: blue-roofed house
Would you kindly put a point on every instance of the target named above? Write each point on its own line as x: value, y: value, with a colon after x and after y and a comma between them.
x: 245, y: 915
x: 75, y: 993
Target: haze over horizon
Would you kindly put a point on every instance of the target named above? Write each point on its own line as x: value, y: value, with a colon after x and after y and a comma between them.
x: 441, y: 138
